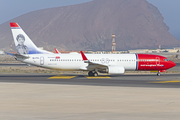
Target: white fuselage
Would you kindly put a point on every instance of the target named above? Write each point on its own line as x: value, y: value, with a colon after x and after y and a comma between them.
x: 71, y: 62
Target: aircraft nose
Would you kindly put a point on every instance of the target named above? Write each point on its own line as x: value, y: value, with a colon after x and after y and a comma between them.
x: 172, y: 64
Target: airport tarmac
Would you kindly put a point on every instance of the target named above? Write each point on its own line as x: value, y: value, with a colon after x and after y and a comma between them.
x: 127, y: 80
x: 79, y: 97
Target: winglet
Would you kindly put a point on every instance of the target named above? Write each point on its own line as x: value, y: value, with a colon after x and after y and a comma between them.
x: 84, y: 57
x: 57, y: 51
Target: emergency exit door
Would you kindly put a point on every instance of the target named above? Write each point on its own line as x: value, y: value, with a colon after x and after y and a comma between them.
x: 41, y: 60
x: 157, y: 61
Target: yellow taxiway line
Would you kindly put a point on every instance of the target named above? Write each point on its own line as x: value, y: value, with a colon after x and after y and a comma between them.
x: 172, y: 81
x: 168, y: 78
x: 62, y: 77
x: 97, y: 77
x: 70, y: 77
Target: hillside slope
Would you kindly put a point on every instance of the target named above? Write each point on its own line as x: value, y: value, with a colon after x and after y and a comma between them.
x: 89, y: 26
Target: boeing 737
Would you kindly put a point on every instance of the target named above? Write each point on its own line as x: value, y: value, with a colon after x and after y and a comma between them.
x: 27, y: 52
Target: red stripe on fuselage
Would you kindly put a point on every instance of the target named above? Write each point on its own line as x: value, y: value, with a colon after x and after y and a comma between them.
x: 152, y: 62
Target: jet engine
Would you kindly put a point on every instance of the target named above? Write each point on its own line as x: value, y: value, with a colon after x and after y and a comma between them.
x: 116, y: 70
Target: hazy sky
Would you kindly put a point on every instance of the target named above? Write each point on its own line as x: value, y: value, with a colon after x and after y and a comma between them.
x: 13, y: 8
x: 170, y: 9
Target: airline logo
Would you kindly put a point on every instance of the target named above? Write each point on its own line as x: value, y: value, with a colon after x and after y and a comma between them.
x: 57, y: 57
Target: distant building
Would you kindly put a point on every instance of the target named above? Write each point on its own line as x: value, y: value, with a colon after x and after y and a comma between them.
x: 2, y: 53
x: 138, y: 51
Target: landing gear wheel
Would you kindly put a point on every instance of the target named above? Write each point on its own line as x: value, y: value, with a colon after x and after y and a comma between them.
x: 90, y: 73
x: 95, y: 74
x: 158, y: 74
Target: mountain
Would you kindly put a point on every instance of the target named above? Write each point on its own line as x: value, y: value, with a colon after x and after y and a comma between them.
x: 89, y: 26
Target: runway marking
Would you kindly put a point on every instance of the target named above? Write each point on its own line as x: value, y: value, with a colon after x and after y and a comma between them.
x: 97, y: 77
x: 172, y: 81
x: 167, y: 78
x: 62, y: 77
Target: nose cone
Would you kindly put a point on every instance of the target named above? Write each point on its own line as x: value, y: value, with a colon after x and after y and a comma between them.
x: 172, y: 64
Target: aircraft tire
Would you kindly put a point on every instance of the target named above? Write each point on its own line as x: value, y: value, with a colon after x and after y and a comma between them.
x: 90, y: 73
x: 95, y: 74
x: 158, y: 74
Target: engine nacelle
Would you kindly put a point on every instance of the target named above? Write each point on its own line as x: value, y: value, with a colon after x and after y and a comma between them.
x: 116, y: 70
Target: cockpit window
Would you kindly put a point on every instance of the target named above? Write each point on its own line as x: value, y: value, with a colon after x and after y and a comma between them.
x: 166, y: 59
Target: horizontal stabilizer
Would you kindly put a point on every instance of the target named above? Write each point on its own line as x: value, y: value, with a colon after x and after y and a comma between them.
x: 18, y: 55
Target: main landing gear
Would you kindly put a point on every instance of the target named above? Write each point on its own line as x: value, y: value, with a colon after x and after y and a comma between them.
x: 92, y: 73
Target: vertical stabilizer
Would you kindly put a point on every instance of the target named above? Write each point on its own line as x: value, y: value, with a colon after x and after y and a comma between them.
x: 23, y: 43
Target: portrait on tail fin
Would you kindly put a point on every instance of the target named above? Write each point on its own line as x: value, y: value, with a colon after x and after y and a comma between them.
x: 21, y: 48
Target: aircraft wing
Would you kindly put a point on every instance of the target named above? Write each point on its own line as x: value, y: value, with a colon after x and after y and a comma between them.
x: 92, y: 65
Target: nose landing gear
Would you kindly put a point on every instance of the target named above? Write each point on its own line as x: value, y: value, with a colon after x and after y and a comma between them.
x: 92, y: 73
x: 158, y: 74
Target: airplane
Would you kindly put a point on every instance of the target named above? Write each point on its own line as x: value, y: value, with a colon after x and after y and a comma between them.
x: 28, y: 53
